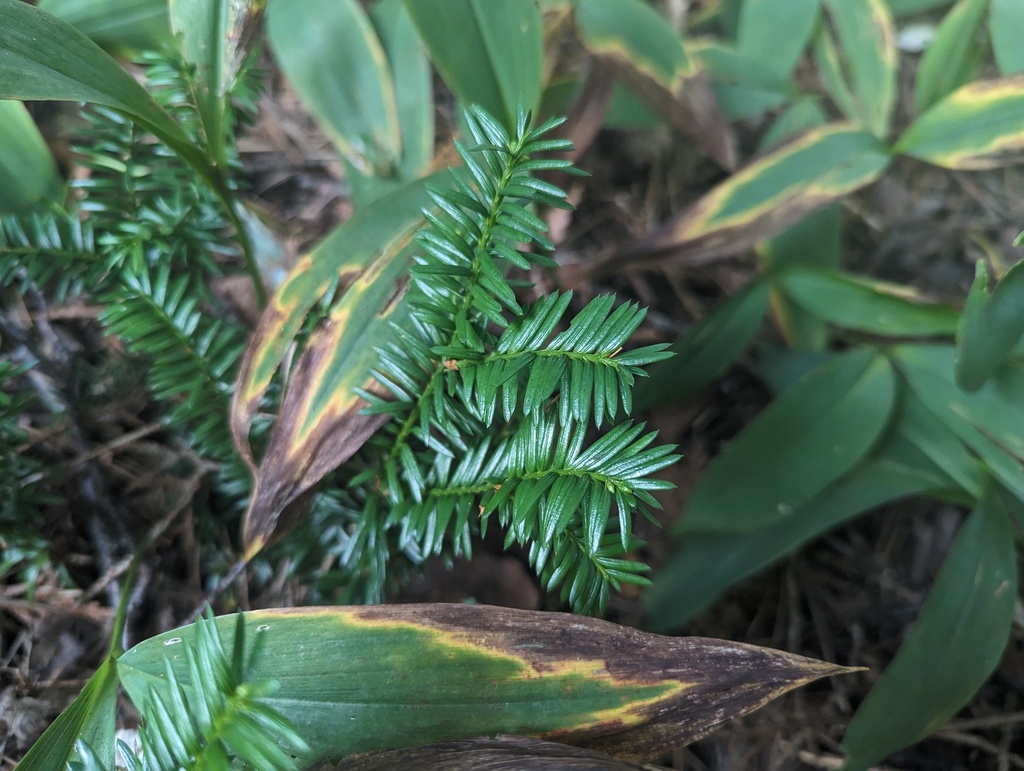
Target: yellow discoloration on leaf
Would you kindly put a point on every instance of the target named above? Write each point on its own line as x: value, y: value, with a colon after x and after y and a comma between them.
x: 635, y: 711
x: 882, y: 21
x: 975, y: 97
x: 976, y: 127
x: 791, y: 180
x: 362, y: 245
x: 616, y: 49
x: 321, y: 424
x: 365, y: 678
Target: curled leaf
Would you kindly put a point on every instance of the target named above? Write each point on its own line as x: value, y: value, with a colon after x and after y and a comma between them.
x: 320, y: 423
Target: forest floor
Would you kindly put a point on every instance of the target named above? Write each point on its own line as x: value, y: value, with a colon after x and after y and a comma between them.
x: 848, y: 597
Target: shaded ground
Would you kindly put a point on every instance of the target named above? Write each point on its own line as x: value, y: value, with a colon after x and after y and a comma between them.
x: 848, y: 598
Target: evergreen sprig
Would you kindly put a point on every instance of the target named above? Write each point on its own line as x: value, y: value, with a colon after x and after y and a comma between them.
x: 220, y: 723
x: 142, y: 236
x: 55, y: 249
x: 22, y: 496
x: 221, y: 719
x: 192, y: 355
x: 493, y: 407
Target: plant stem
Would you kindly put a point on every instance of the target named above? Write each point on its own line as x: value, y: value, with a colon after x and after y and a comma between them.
x: 247, y: 251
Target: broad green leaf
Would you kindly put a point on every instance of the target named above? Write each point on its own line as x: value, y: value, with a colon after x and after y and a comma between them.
x: 354, y: 679
x: 767, y: 196
x: 988, y: 421
x: 705, y: 350
x: 830, y: 70
x: 1006, y: 19
x: 992, y: 408
x: 650, y: 57
x: 810, y: 436
x: 117, y: 24
x: 935, y: 440
x: 779, y: 367
x: 742, y: 87
x: 990, y: 326
x: 414, y: 94
x: 952, y: 57
x: 866, y: 304
x: 706, y: 564
x: 626, y: 111
x: 334, y: 60
x: 27, y: 170
x: 867, y: 37
x: 952, y: 648
x: 975, y: 127
x: 490, y: 54
x: 43, y: 57
x: 774, y: 33
x: 813, y: 241
x: 215, y: 37
x: 90, y: 717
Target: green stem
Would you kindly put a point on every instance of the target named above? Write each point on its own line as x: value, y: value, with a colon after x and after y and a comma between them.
x: 245, y: 242
x: 484, y: 486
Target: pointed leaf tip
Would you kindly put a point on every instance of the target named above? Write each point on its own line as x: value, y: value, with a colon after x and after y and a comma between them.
x: 400, y: 676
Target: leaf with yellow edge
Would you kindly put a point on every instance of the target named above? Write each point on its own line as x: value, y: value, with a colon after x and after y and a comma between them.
x: 761, y: 200
x: 335, y: 61
x: 651, y: 59
x: 951, y: 59
x: 215, y: 37
x: 357, y: 679
x: 976, y: 127
x: 319, y: 425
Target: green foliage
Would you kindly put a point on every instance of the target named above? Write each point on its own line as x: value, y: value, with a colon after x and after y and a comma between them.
x: 487, y: 424
x: 151, y: 237
x: 226, y: 717
x: 360, y: 679
x: 489, y: 412
x: 221, y: 722
x: 932, y: 418
x: 22, y: 484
